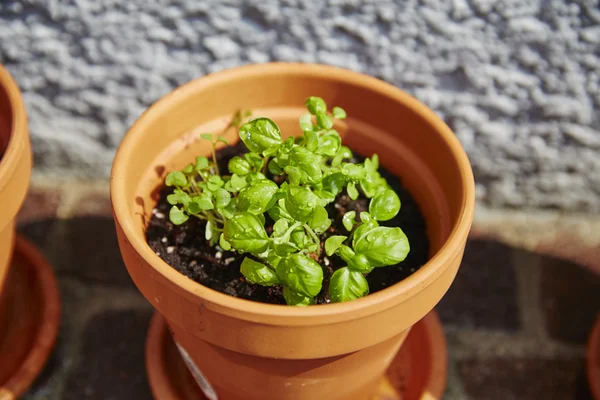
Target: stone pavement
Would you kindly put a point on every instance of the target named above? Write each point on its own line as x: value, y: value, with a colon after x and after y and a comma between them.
x: 516, y: 318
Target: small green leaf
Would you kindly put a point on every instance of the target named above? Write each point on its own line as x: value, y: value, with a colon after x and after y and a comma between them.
x: 349, y: 219
x: 294, y: 174
x: 294, y: 299
x: 342, y: 154
x: 225, y: 245
x: 258, y: 196
x: 274, y: 168
x: 237, y: 183
x: 329, y: 143
x: 324, y: 120
x: 306, y: 122
x: 382, y: 246
x: 277, y: 212
x: 208, y: 232
x: 260, y: 134
x: 179, y: 197
x: 222, y: 197
x: 177, y: 216
x: 300, y: 202
x: 311, y: 140
x: 245, y: 232
x: 237, y: 165
x: 346, y: 285
x: 334, y: 183
x: 255, y: 160
x: 353, y: 171
x: 204, y: 201
x: 325, y: 197
x: 319, y: 221
x: 301, y: 274
x: 280, y: 227
x: 188, y: 169
x: 207, y: 136
x: 352, y: 191
x: 385, y: 205
x: 176, y: 178
x: 283, y: 249
x: 222, y: 139
x: 316, y: 105
x: 360, y: 263
x: 346, y: 253
x: 338, y: 113
x: 258, y: 273
x: 308, y: 162
x: 214, y: 182
x: 333, y: 243
x: 201, y: 163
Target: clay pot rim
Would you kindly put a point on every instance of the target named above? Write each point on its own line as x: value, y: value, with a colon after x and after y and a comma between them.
x: 18, y: 133
x: 251, y: 310
x: 593, y: 359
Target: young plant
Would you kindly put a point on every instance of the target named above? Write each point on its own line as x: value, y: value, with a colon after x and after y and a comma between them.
x: 313, y: 170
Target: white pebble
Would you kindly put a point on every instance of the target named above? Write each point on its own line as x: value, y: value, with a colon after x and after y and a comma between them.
x: 218, y: 255
x: 326, y: 261
x: 158, y: 253
x: 229, y: 260
x: 159, y: 215
x: 170, y: 249
x: 164, y: 239
x: 336, y: 205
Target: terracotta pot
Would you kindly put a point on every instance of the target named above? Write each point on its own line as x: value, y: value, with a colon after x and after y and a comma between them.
x: 593, y: 360
x: 335, y: 351
x: 15, y: 165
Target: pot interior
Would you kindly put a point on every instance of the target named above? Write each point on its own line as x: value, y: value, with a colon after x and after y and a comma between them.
x: 408, y: 138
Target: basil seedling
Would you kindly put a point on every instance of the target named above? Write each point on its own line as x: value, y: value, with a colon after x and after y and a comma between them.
x: 306, y: 175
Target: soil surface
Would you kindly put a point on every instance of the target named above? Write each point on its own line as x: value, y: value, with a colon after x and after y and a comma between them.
x: 185, y: 249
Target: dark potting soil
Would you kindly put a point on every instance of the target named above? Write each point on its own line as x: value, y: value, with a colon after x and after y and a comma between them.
x: 185, y: 248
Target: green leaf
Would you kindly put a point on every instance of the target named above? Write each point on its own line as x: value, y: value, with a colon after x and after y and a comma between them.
x: 360, y: 263
x: 382, y: 246
x: 274, y: 168
x: 338, y: 113
x: 324, y: 120
x: 222, y: 139
x: 333, y: 243
x: 349, y: 219
x: 301, y: 274
x: 346, y: 253
x: 352, y: 191
x: 306, y: 122
x: 177, y: 216
x: 176, y: 178
x: 207, y: 136
x: 229, y: 210
x: 260, y: 134
x: 311, y: 140
x: 319, y: 221
x: 294, y: 299
x: 316, y: 105
x: 258, y: 273
x: 334, y: 183
x: 353, y: 171
x: 300, y: 202
x: 280, y: 227
x: 278, y: 212
x: 324, y: 197
x: 225, y: 245
x: 385, y: 205
x: 308, y: 162
x: 346, y: 285
x: 214, y: 182
x: 201, y: 163
x: 237, y: 165
x: 245, y: 232
x: 188, y: 169
x: 329, y: 144
x: 256, y: 160
x: 204, y: 201
x: 237, y: 183
x: 342, y: 154
x: 179, y: 197
x: 294, y: 174
x: 258, y: 196
x: 208, y: 232
x: 283, y: 249
x: 222, y: 197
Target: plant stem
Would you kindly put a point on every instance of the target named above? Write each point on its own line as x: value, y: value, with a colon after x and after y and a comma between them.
x: 214, y: 154
x: 314, y: 237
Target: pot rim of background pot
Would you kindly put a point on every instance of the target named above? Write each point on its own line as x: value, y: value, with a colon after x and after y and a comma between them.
x: 354, y: 309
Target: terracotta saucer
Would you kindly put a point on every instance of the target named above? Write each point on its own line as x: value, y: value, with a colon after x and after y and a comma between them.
x: 29, y: 319
x: 593, y: 360
x: 417, y: 373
